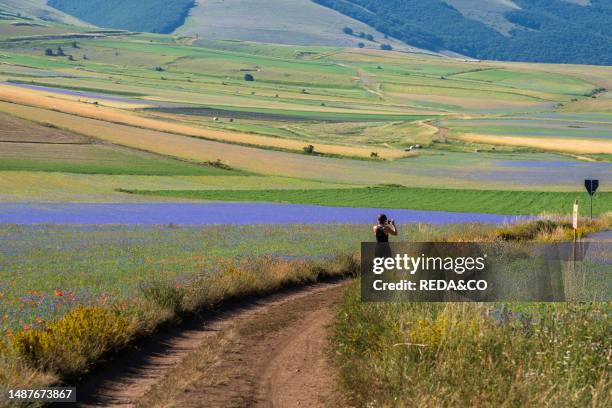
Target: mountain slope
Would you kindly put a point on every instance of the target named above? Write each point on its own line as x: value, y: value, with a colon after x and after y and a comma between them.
x: 37, y: 9
x: 156, y: 16
x: 558, y: 31
x: 297, y: 22
x: 491, y: 12
x: 554, y: 31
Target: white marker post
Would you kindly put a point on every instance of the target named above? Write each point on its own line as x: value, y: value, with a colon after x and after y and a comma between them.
x: 575, y: 227
x: 575, y: 218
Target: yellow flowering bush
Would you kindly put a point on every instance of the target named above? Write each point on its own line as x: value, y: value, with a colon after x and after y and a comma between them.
x: 71, y: 343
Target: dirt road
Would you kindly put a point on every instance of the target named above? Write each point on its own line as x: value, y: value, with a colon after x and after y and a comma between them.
x: 266, y: 353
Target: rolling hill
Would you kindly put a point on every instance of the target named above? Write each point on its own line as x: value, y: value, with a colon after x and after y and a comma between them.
x: 551, y: 31
x: 295, y: 22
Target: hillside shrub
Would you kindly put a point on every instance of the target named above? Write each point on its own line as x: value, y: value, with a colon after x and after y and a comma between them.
x: 310, y: 149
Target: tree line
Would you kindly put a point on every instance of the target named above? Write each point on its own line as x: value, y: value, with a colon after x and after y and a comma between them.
x: 545, y: 31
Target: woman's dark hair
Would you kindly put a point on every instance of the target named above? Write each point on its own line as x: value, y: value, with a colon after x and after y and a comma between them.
x: 382, y: 218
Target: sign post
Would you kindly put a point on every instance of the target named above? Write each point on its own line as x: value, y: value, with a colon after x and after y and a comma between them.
x: 575, y: 216
x: 591, y: 187
x: 575, y: 228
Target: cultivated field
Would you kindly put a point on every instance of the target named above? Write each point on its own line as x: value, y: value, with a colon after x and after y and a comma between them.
x: 433, y: 168
x: 472, y: 201
x: 310, y: 115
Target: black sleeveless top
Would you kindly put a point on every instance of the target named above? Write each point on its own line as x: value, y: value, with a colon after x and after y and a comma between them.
x: 381, y: 235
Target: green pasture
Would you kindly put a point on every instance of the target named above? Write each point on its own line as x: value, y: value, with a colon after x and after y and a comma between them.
x: 325, y: 75
x: 534, y: 128
x: 268, y: 50
x: 97, y: 159
x: 444, y: 88
x: 305, y: 87
x: 582, y: 117
x: 477, y: 201
x: 53, y: 85
x: 218, y: 62
x: 400, y: 134
x: 537, y: 81
x: 454, y: 75
x: 453, y: 84
x: 47, y: 186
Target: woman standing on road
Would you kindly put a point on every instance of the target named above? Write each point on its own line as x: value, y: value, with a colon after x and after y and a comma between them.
x: 384, y: 228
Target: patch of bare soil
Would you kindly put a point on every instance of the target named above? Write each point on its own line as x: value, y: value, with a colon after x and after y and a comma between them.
x: 17, y: 130
x: 266, y: 353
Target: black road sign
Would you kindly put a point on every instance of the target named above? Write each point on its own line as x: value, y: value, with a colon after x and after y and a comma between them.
x: 591, y: 186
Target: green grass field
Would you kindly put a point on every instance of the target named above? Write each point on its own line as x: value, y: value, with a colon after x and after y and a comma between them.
x: 479, y: 201
x: 97, y: 159
x: 539, y: 128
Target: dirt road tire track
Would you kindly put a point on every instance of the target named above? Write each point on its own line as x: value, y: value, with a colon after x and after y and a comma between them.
x: 266, y: 353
